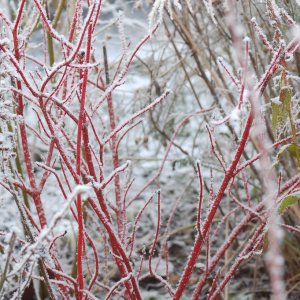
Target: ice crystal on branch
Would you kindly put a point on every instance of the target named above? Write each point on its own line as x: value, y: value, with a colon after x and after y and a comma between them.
x: 8, y: 121
x: 158, y: 7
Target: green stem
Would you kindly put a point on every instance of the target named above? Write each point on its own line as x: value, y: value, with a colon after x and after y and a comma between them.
x: 58, y: 13
x: 50, y: 49
x: 294, y: 135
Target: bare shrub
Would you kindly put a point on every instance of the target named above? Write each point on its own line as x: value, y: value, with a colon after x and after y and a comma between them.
x: 163, y: 162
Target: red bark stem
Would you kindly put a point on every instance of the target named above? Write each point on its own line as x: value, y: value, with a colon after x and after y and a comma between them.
x: 201, y: 236
x: 81, y: 118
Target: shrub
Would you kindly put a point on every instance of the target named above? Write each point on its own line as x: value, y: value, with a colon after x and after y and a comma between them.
x: 89, y: 186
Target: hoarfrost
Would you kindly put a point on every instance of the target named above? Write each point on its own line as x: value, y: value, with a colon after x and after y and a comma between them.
x: 156, y: 13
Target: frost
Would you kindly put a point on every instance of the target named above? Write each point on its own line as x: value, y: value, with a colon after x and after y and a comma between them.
x: 210, y: 10
x: 289, y: 57
x: 7, y: 134
x: 247, y: 39
x: 236, y: 114
x: 276, y: 100
x: 297, y: 121
x: 5, y: 42
x: 122, y: 35
x: 156, y: 13
x: 83, y: 190
x: 274, y: 9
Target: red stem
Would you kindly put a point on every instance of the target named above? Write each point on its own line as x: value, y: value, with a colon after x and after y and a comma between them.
x: 22, y: 128
x: 216, y: 202
x: 81, y: 118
